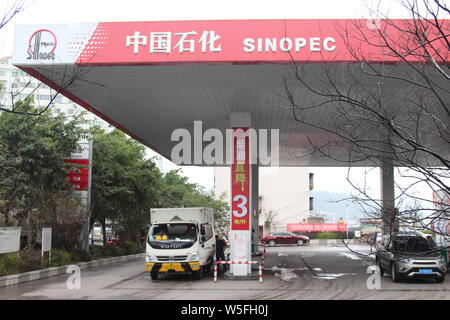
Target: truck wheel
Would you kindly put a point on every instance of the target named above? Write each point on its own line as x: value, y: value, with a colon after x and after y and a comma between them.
x: 210, y: 268
x: 154, y: 275
x: 198, y: 274
x: 440, y: 279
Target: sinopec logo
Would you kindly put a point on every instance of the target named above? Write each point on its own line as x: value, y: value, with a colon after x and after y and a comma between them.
x: 42, y: 45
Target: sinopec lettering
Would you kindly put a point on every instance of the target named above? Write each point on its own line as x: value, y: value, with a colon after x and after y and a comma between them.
x: 313, y: 44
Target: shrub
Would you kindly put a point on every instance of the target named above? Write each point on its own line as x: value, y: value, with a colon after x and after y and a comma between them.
x: 81, y: 255
x: 105, y: 251
x: 9, y: 264
x: 130, y: 248
x: 60, y: 258
x: 31, y: 260
x: 329, y: 235
x: 96, y: 251
x: 113, y: 251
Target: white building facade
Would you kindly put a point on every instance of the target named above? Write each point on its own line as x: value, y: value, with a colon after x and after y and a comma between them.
x: 284, y: 195
x: 16, y: 85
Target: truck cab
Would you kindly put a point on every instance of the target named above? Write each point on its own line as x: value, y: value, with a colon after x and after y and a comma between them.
x: 180, y: 240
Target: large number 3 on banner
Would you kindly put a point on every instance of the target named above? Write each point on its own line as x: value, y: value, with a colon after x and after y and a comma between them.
x: 241, y: 206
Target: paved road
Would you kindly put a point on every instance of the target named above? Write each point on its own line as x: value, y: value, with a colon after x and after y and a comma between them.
x: 309, y: 272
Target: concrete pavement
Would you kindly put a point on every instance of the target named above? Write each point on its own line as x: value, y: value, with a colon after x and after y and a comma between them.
x: 291, y: 272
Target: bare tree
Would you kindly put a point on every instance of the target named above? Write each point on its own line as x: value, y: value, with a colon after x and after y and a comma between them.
x: 68, y: 78
x: 269, y: 217
x: 10, y: 9
x: 24, y: 88
x: 394, y: 112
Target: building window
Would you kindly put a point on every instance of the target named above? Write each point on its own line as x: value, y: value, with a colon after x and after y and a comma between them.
x: 311, y: 203
x: 311, y: 181
x: 43, y: 97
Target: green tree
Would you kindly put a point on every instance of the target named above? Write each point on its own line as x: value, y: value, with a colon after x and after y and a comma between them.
x: 125, y: 185
x: 179, y: 192
x: 32, y: 153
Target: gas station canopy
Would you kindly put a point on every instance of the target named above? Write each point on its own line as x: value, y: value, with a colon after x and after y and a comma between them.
x: 150, y: 78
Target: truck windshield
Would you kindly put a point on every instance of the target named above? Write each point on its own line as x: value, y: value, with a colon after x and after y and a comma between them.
x: 173, y: 232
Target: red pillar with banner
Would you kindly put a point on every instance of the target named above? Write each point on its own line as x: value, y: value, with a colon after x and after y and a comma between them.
x: 240, y: 201
x: 240, y: 181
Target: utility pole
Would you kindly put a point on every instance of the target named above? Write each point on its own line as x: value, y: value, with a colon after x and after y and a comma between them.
x: 85, y: 231
x: 346, y: 217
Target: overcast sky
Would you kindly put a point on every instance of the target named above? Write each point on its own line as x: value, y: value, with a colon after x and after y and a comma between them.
x: 63, y: 11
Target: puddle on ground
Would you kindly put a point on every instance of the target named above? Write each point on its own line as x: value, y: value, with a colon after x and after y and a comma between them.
x: 292, y: 269
x: 307, y: 254
x: 318, y: 269
x: 286, y: 275
x: 352, y: 256
x: 331, y: 276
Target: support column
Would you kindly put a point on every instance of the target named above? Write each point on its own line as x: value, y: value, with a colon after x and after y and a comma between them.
x: 255, y: 207
x: 388, y: 210
x: 241, y: 195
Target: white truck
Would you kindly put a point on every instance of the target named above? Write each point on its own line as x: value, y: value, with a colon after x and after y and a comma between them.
x: 180, y: 240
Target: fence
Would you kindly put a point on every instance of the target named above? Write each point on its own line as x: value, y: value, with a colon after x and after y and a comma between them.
x: 237, y: 262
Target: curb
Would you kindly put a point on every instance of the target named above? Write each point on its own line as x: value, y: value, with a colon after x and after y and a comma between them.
x: 14, y: 279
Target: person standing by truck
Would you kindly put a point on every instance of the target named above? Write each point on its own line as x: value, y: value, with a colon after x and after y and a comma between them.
x: 220, y: 251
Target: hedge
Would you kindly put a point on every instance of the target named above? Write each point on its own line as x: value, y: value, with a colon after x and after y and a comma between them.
x: 24, y: 261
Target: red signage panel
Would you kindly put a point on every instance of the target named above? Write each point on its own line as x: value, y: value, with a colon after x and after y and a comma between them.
x: 79, y: 175
x: 240, y: 181
x: 317, y: 227
x: 246, y: 41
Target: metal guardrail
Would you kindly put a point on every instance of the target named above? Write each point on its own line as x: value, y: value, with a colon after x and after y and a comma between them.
x: 237, y: 262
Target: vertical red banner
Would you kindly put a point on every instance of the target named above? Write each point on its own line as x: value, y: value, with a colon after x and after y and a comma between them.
x: 240, y: 180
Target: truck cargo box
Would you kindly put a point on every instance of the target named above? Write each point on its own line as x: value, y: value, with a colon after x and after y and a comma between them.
x: 199, y: 215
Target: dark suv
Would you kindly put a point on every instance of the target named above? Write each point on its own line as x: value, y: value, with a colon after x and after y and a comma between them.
x: 407, y: 256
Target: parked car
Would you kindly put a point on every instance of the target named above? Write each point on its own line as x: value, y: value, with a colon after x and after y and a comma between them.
x: 114, y: 241
x: 285, y: 238
x: 408, y: 256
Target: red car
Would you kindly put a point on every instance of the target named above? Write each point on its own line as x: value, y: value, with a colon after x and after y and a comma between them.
x: 285, y: 238
x: 114, y: 241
